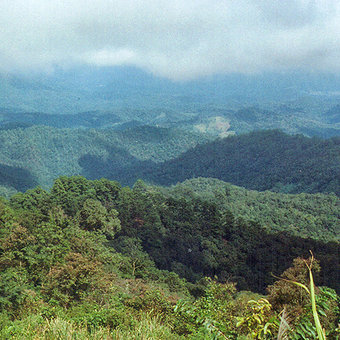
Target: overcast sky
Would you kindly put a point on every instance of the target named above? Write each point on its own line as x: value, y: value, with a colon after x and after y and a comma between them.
x: 177, y: 39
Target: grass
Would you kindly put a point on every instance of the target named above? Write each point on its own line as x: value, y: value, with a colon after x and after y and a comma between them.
x: 36, y: 327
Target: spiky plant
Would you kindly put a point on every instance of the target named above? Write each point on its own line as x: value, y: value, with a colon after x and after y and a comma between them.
x: 284, y: 326
x: 311, y: 292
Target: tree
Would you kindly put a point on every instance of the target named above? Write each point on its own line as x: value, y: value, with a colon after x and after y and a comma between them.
x: 283, y: 294
x: 74, y: 279
x: 94, y: 216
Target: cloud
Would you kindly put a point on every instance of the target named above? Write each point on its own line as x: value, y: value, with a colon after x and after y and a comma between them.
x: 173, y: 39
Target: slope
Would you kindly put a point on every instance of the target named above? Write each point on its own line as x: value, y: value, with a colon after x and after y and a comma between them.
x: 263, y: 160
x: 37, y: 155
x: 305, y: 215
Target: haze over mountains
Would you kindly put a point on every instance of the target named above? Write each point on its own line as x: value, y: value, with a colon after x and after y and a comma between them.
x: 119, y: 101
x: 103, y: 97
x: 169, y: 168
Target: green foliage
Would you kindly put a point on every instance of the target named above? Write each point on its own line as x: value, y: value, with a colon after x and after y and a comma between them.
x: 14, y: 287
x: 315, y: 216
x: 70, y: 193
x: 37, y: 250
x: 152, y: 301
x: 15, y: 247
x: 138, y: 263
x: 89, y: 259
x: 36, y: 199
x: 212, y: 313
x: 94, y: 216
x: 262, y: 160
x: 257, y: 320
x: 74, y: 279
x: 95, y: 316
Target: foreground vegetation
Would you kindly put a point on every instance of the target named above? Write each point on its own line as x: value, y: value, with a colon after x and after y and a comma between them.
x: 93, y: 260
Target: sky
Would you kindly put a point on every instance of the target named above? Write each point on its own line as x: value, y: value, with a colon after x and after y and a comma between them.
x: 175, y: 39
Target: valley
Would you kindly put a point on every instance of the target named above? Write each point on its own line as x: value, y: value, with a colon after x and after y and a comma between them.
x: 143, y: 204
x: 169, y: 170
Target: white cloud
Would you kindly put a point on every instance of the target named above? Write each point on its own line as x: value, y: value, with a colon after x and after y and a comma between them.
x: 174, y: 39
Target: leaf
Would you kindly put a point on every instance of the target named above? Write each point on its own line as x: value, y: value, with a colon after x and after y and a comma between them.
x: 300, y: 285
x: 310, y: 330
x: 256, y: 317
x: 240, y: 322
x: 266, y: 330
x: 322, y: 312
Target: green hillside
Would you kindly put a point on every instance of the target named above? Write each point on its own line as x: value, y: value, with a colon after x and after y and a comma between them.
x: 37, y: 155
x: 91, y: 260
x: 264, y: 160
x: 188, y: 234
x: 306, y: 215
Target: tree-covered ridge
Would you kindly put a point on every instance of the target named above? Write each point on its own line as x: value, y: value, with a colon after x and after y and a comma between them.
x: 38, y: 155
x: 189, y: 235
x: 306, y: 215
x: 92, y: 257
x: 12, y: 119
x: 264, y: 160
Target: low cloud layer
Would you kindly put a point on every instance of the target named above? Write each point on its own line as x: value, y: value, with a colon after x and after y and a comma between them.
x: 175, y: 39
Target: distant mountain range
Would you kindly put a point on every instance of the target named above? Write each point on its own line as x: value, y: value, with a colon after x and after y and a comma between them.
x: 111, y: 97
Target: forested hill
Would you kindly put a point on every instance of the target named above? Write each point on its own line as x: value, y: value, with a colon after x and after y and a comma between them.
x: 305, y: 215
x: 39, y: 154
x: 91, y: 260
x: 188, y: 234
x: 264, y: 160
